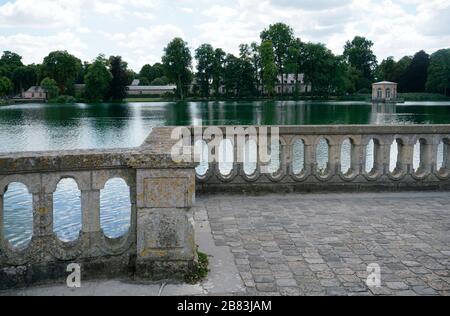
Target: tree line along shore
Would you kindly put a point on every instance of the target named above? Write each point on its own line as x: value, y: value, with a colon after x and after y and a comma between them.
x: 253, y: 73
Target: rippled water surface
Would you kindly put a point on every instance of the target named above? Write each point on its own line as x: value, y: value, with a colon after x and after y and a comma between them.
x: 36, y: 127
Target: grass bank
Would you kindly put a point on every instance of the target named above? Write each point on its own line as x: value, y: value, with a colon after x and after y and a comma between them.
x: 423, y: 97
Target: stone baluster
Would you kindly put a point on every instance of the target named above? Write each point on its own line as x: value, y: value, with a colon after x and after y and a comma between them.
x: 287, y: 154
x: 358, y: 157
x: 42, y: 214
x: 334, y: 156
x: 405, y: 160
x: 310, y: 156
x: 428, y: 156
x: 382, y: 155
x: 90, y: 207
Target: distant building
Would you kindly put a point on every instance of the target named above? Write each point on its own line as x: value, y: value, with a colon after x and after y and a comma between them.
x: 135, y: 89
x: 384, y: 91
x: 35, y: 93
x: 288, y: 83
x: 150, y: 90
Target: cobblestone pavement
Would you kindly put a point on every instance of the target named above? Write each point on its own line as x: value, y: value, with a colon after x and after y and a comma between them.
x: 322, y: 244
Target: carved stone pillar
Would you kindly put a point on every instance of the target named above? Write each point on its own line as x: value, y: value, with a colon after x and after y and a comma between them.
x: 165, y: 224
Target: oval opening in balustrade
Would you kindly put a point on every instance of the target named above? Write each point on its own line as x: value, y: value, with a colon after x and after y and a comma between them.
x: 346, y: 156
x: 394, y: 162
x: 370, y: 156
x: 67, y: 210
x: 275, y: 158
x: 226, y: 157
x: 115, y: 208
x: 298, y: 160
x: 202, y: 156
x: 322, y: 156
x: 440, y: 156
x: 417, y: 157
x: 18, y: 215
x: 250, y: 157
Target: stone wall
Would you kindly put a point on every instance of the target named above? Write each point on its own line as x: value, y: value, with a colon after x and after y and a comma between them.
x: 160, y: 242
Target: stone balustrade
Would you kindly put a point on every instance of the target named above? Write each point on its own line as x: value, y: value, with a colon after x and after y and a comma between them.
x: 299, y: 170
x: 160, y: 242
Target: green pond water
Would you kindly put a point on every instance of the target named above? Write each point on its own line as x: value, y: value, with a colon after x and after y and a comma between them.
x: 36, y: 127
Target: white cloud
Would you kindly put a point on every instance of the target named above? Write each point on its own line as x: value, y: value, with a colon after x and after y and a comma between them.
x: 42, y: 13
x: 130, y: 27
x: 35, y: 48
x: 145, y: 45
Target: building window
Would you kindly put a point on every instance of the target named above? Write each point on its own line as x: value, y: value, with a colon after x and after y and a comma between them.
x: 379, y: 93
x: 388, y: 93
x: 32, y: 95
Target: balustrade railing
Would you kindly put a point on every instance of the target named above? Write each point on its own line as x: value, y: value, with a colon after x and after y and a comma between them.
x: 160, y: 242
x: 371, y: 151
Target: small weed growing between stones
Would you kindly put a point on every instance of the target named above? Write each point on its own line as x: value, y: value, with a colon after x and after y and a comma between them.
x: 200, y: 270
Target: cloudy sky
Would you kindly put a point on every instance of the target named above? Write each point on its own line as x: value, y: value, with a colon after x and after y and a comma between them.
x: 139, y: 29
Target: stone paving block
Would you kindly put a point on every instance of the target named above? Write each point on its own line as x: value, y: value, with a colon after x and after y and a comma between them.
x: 328, y: 239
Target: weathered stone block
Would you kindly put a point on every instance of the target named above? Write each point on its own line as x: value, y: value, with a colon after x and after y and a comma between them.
x: 165, y: 234
x: 165, y: 188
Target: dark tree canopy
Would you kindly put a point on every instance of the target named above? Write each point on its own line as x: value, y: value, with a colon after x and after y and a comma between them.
x: 358, y: 53
x: 281, y: 36
x: 63, y: 68
x: 439, y: 72
x: 205, y: 62
x: 177, y: 61
x: 415, y: 77
x: 98, y: 79
x: 9, y: 62
x: 24, y: 77
x: 119, y: 81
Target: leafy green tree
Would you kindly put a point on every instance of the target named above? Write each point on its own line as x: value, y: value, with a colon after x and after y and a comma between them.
x: 415, y: 77
x: 143, y: 81
x: 6, y: 86
x: 205, y: 63
x: 231, y: 74
x: 9, y: 62
x: 358, y: 53
x: 322, y: 69
x: 246, y: 84
x: 281, y: 36
x: 439, y: 72
x: 146, y: 74
x: 218, y: 70
x: 295, y: 61
x: 257, y: 66
x: 177, y: 61
x: 120, y: 78
x: 24, y: 77
x: 162, y: 81
x: 98, y: 79
x: 387, y: 70
x: 269, y: 68
x: 63, y: 68
x: 50, y: 87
